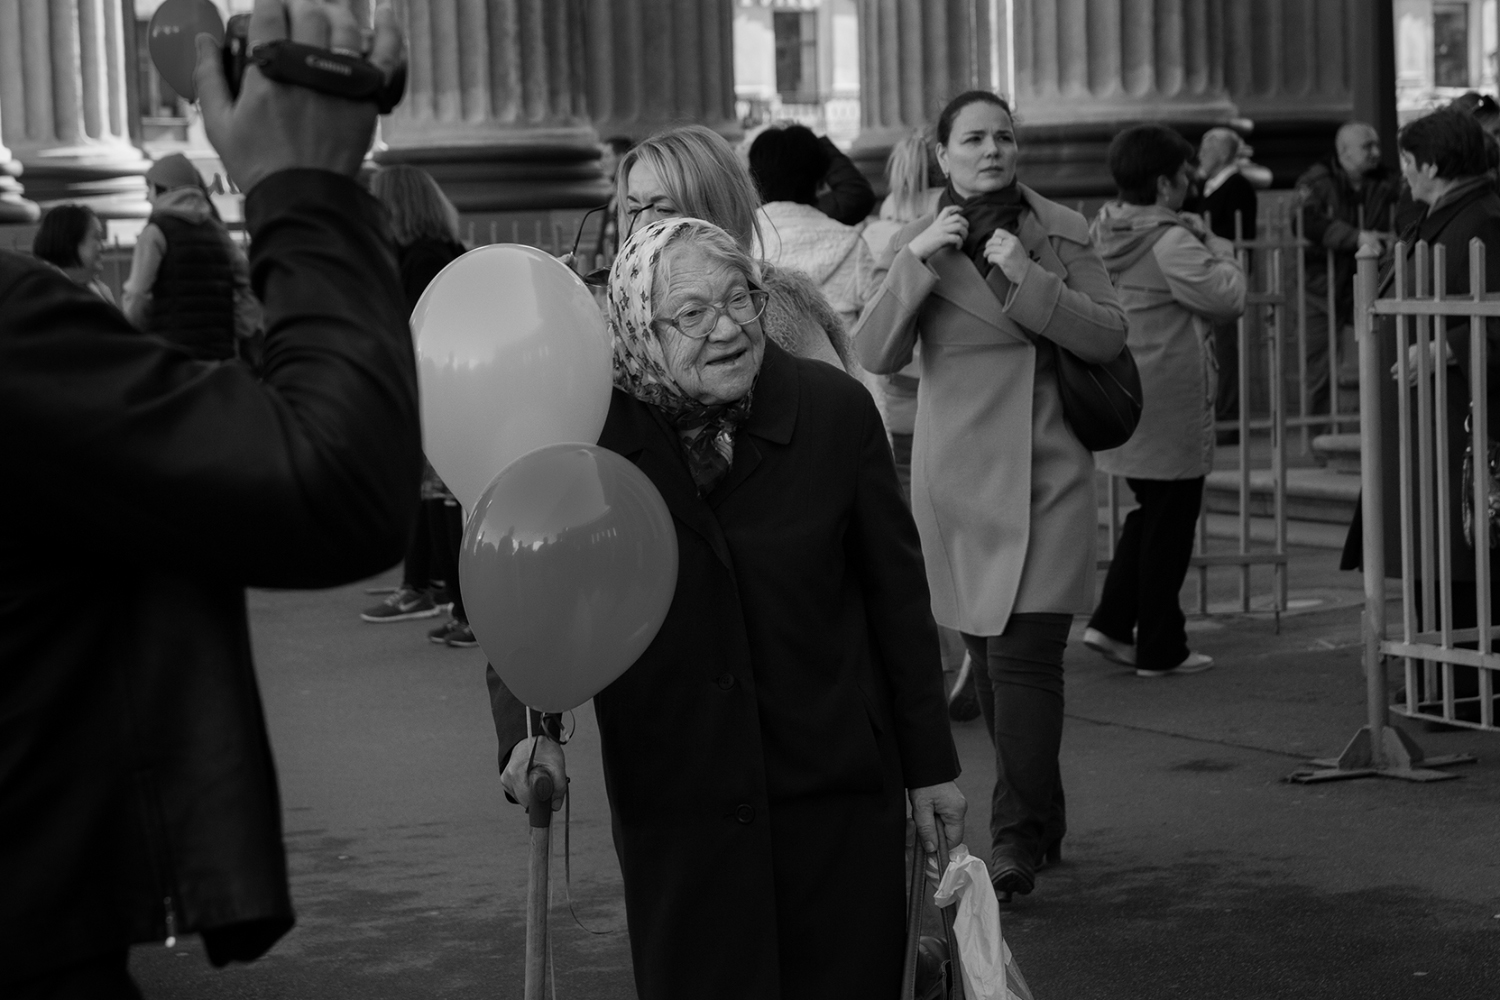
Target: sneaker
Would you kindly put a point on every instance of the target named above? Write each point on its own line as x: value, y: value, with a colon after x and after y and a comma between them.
x: 461, y: 636
x: 439, y: 635
x: 1195, y: 663
x: 404, y: 605
x: 1112, y: 650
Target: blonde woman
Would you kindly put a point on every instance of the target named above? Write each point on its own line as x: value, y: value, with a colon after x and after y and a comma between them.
x: 693, y: 172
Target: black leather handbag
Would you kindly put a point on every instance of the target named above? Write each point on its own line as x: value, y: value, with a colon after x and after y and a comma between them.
x: 1102, y: 403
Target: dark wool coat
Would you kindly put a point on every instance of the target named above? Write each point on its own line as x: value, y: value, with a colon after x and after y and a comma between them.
x: 756, y: 754
x: 137, y: 788
x: 1452, y: 224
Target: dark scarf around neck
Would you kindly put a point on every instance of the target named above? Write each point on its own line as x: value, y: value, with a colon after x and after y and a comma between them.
x: 707, y: 435
x: 986, y: 213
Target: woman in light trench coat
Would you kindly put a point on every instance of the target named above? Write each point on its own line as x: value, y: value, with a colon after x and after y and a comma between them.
x: 992, y: 284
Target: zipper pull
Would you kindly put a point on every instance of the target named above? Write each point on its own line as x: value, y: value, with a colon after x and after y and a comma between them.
x: 171, y: 941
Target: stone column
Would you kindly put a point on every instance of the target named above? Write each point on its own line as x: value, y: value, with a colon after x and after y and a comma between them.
x: 914, y: 56
x: 655, y: 63
x: 495, y: 105
x: 1084, y: 69
x: 63, y: 103
x: 13, y: 207
x: 1290, y: 73
x: 1081, y: 70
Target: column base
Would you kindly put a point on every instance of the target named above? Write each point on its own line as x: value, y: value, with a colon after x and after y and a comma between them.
x: 106, y: 180
x: 13, y: 207
x: 509, y: 175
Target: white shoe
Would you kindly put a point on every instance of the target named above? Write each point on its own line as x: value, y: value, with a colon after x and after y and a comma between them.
x: 1195, y: 663
x: 1112, y: 650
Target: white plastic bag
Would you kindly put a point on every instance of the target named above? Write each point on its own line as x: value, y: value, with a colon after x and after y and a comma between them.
x: 989, y: 971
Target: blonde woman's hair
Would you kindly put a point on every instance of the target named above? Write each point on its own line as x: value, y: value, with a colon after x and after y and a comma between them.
x: 702, y: 175
x: 906, y: 174
x: 417, y: 207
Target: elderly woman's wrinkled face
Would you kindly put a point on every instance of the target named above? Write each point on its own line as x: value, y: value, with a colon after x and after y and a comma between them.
x: 721, y: 366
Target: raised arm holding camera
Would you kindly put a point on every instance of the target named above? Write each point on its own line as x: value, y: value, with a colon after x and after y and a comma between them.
x: 138, y: 798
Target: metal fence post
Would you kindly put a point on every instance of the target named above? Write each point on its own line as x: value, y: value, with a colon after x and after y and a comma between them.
x: 1377, y: 749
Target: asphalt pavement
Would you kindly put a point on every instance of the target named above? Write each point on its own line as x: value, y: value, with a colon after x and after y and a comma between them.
x: 1191, y: 869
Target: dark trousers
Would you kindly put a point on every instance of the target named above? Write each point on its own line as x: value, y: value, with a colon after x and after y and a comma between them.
x: 1465, y: 679
x: 1140, y: 600
x: 432, y: 555
x: 1227, y: 354
x: 100, y: 979
x: 1019, y: 679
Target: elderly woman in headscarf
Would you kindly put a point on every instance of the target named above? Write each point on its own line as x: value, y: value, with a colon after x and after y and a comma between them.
x: 760, y: 754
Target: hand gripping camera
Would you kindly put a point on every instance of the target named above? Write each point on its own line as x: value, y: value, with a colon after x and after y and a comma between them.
x: 338, y: 73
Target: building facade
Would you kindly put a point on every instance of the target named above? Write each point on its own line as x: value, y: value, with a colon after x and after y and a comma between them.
x: 507, y: 99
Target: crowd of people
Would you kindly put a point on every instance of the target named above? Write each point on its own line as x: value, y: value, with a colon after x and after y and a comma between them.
x: 859, y: 425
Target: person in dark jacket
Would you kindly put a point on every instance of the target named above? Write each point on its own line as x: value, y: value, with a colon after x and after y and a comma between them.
x: 138, y: 796
x: 1346, y: 202
x: 759, y: 755
x: 844, y: 193
x: 425, y: 225
x: 1227, y: 201
x: 1444, y: 157
x: 186, y: 272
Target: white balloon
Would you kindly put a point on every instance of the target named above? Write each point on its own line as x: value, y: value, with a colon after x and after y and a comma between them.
x: 512, y: 355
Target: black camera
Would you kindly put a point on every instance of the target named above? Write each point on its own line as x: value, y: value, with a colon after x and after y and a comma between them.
x: 337, y: 73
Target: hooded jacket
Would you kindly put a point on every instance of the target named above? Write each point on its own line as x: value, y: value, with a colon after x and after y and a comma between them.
x: 1175, y: 279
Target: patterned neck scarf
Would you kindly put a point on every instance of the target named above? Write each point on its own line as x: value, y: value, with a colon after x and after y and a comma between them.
x: 640, y: 365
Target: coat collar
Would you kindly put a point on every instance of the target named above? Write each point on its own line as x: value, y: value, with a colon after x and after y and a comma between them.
x: 640, y: 433
x: 959, y: 281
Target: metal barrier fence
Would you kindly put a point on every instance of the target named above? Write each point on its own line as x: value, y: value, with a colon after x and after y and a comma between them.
x: 1449, y: 664
x: 1430, y: 644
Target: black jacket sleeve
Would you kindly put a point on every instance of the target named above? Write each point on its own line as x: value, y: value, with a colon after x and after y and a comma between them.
x: 306, y: 476
x: 849, y: 197
x: 884, y: 545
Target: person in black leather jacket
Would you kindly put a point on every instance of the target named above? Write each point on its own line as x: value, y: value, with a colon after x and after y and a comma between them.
x: 138, y: 797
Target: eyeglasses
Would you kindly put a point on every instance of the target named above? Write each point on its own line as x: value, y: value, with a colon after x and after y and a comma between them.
x: 599, y: 277
x: 699, y: 319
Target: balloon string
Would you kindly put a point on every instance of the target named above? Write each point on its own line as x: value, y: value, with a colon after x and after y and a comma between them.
x: 568, y: 864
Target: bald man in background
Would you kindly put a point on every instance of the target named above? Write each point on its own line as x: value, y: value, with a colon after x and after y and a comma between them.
x: 1347, y: 202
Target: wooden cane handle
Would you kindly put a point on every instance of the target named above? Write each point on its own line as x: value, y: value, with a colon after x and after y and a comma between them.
x: 540, y: 810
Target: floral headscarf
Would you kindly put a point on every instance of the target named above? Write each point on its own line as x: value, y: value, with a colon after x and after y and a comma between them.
x: 640, y: 365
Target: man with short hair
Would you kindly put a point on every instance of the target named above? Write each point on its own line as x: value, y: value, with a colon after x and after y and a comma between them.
x: 1346, y: 203
x: 1175, y: 280
x: 138, y: 796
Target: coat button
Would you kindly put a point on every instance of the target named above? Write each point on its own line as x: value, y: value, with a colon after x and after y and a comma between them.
x: 745, y: 813
x: 726, y: 680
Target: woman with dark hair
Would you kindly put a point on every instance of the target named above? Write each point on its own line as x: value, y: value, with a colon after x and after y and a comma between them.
x: 786, y: 165
x: 425, y: 225
x: 993, y: 284
x: 71, y: 237
x: 1445, y: 160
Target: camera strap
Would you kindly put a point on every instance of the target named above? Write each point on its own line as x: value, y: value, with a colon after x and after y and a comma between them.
x: 335, y: 73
